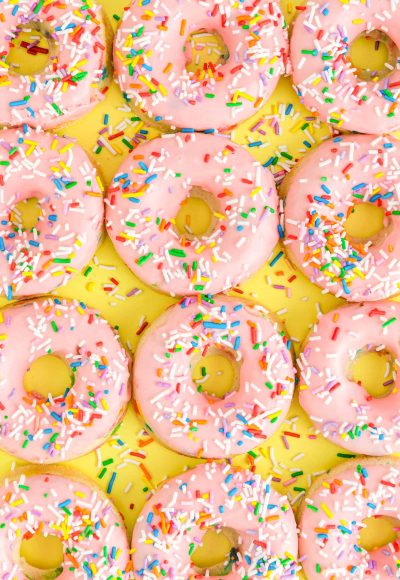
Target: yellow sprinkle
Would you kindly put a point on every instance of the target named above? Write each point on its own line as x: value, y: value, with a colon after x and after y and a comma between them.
x: 66, y: 147
x: 182, y: 29
x: 328, y: 512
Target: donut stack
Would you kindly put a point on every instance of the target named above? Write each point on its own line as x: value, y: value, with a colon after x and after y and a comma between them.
x: 196, y: 101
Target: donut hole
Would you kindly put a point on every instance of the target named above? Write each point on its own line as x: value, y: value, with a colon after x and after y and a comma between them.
x: 31, y: 49
x: 378, y: 531
x: 373, y: 55
x: 205, y: 50
x: 375, y: 371
x: 366, y: 222
x: 216, y: 374
x: 48, y: 376
x: 216, y: 552
x: 41, y: 556
x: 196, y: 217
x: 26, y: 214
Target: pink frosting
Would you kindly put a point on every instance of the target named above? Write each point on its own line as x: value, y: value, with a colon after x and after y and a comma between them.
x: 70, y: 84
x: 48, y: 430
x: 333, y: 516
x: 330, y: 85
x: 60, y: 175
x: 90, y: 528
x: 322, y: 192
x: 193, y: 422
x: 215, y: 496
x: 147, y: 192
x: 151, y: 53
x: 340, y: 408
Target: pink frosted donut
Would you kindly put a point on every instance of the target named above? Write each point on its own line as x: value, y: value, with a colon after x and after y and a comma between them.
x: 326, y: 79
x: 334, y: 513
x: 172, y: 403
x: 46, y: 430
x: 57, y: 172
x: 58, y: 503
x: 322, y: 192
x: 339, y: 407
x: 148, y: 191
x: 243, y: 506
x: 154, y: 45
x: 71, y: 84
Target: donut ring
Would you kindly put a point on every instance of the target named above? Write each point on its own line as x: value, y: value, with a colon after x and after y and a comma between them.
x: 148, y: 191
x: 326, y: 79
x: 198, y: 424
x: 320, y: 195
x: 63, y: 504
x: 243, y: 506
x: 73, y: 82
x: 340, y: 408
x: 58, y: 174
x: 152, y: 49
x: 48, y: 430
x: 333, y: 513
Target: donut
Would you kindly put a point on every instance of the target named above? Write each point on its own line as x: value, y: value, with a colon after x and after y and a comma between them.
x: 59, y: 503
x: 149, y: 189
x: 321, y: 194
x: 342, y: 410
x: 172, y: 403
x: 258, y: 522
x: 73, y: 81
x: 327, y: 81
x: 46, y: 430
x: 156, y: 42
x: 57, y: 173
x: 334, y: 513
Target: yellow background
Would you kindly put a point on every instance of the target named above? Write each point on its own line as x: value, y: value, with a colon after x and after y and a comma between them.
x: 297, y: 304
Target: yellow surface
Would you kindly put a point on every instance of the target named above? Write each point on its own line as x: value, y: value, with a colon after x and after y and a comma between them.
x: 280, y: 288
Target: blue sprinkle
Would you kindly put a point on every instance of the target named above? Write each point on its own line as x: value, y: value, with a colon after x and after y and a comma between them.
x: 321, y: 200
x: 64, y: 503
x: 275, y: 260
x: 56, y: 416
x: 111, y: 482
x: 221, y: 325
x: 359, y: 186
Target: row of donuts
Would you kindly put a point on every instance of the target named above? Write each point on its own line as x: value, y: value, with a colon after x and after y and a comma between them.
x: 47, y: 429
x: 157, y: 179
x: 155, y: 61
x: 256, y: 521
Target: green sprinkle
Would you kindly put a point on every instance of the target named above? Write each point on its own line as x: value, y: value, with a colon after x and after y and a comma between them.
x: 177, y: 253
x: 144, y: 259
x: 56, y: 108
